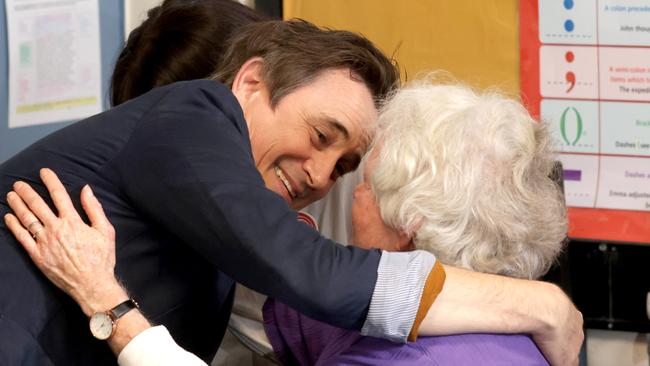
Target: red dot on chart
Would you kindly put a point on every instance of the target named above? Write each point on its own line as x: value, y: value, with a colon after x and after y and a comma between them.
x: 569, y: 56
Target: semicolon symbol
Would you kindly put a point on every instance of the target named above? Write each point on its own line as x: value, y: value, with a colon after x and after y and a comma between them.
x: 570, y: 78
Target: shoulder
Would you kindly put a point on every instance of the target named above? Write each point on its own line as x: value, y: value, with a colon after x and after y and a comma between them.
x: 207, y: 87
x: 195, y: 105
x: 462, y: 349
x: 489, y: 349
x: 202, y: 93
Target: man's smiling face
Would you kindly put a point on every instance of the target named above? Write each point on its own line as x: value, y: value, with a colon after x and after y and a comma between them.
x: 314, y: 134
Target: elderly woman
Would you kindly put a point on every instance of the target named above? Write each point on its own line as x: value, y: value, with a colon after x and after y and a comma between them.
x: 467, y: 177
x: 462, y: 175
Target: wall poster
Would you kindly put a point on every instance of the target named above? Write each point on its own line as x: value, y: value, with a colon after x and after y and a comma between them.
x: 54, y: 61
x: 585, y: 70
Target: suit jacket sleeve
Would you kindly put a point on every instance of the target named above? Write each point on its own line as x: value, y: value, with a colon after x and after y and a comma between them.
x: 188, y: 166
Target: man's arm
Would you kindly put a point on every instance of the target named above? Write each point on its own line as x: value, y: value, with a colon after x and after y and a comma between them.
x: 80, y: 260
x: 188, y: 167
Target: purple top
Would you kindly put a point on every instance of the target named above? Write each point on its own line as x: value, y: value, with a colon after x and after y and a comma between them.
x: 299, y: 340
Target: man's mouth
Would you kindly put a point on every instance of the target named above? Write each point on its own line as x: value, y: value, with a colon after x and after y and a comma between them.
x: 285, y: 181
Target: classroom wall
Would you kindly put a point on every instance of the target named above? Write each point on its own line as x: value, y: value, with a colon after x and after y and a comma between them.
x: 135, y: 12
x: 476, y: 41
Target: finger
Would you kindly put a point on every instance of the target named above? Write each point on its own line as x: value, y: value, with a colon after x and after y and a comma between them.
x: 33, y: 205
x: 23, y: 236
x: 59, y: 195
x: 21, y: 211
x: 94, y: 210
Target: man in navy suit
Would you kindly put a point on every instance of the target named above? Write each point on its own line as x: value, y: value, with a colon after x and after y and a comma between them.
x: 200, y: 181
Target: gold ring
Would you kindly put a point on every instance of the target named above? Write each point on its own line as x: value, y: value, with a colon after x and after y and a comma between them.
x: 39, y: 226
x: 29, y: 227
x: 37, y: 231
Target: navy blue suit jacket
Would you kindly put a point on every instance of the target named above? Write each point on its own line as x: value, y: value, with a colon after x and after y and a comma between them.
x: 175, y: 174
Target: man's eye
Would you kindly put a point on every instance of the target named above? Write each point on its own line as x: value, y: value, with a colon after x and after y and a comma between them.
x: 341, y: 169
x: 322, y: 138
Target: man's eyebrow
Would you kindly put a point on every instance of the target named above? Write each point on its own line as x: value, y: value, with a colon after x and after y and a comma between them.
x: 335, y: 124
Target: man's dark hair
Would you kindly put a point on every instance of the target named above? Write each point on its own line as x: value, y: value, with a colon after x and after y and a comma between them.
x: 295, y: 52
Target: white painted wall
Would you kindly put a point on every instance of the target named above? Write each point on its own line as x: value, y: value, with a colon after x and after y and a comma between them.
x: 614, y: 348
x: 135, y: 12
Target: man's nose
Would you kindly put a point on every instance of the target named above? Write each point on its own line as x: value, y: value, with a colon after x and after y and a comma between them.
x: 321, y: 171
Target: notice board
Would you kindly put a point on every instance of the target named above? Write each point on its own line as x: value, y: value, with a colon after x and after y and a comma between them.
x: 585, y: 70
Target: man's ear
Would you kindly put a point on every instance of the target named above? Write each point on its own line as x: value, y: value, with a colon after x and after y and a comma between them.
x: 248, y: 80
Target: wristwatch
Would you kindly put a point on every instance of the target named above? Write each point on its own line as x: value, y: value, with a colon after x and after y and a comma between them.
x: 102, y: 324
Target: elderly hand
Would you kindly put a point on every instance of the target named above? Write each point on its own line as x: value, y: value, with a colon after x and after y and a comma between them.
x: 77, y: 258
x: 561, y: 339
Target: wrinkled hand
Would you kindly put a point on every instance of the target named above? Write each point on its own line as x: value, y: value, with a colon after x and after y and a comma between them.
x: 77, y: 258
x: 560, y: 342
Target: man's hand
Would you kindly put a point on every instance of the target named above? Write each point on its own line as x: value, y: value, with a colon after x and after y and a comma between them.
x: 561, y: 339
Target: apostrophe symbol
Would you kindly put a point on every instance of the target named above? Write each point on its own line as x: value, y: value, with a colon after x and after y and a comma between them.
x: 563, y: 126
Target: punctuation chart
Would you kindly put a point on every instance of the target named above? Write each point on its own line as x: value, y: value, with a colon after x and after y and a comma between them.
x: 585, y: 71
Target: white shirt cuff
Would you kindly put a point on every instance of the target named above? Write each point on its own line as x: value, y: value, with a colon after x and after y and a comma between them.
x: 155, y: 346
x: 401, y: 277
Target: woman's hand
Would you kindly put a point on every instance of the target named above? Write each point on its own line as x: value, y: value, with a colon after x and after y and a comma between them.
x: 77, y: 258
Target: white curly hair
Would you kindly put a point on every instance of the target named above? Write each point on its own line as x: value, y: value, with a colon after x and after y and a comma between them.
x: 467, y: 175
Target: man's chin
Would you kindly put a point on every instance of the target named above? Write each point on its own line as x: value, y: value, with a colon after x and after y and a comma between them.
x: 298, y: 204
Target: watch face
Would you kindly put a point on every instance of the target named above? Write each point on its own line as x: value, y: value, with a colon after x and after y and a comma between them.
x: 101, y: 325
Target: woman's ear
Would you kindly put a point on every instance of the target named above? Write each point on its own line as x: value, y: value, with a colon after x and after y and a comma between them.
x: 404, y: 242
x: 248, y: 80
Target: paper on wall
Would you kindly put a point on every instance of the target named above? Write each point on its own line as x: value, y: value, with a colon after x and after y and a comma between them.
x: 54, y: 61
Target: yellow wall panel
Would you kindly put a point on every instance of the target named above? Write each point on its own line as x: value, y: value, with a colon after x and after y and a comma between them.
x: 475, y: 40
